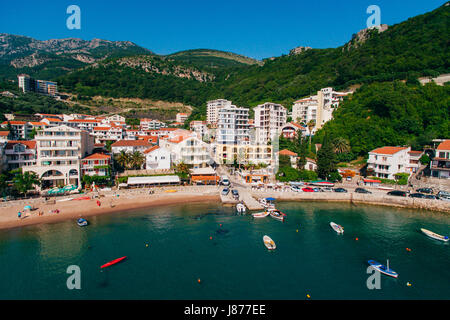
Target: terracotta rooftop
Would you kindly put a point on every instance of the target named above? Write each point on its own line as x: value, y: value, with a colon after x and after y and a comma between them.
x: 28, y: 143
x: 97, y: 156
x: 151, y: 149
x: 445, y: 145
x: 388, y: 150
x: 131, y: 143
x: 286, y: 152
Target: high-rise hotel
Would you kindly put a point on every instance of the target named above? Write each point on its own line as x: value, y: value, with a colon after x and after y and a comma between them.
x: 28, y: 84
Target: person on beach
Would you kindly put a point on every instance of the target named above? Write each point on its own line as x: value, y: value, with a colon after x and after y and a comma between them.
x: 19, y: 214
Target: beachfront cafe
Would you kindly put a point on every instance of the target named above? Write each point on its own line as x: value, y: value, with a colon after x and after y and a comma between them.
x: 204, y: 176
x: 255, y: 177
x: 151, y: 181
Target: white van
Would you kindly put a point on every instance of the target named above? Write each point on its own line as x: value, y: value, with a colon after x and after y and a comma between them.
x: 225, y: 181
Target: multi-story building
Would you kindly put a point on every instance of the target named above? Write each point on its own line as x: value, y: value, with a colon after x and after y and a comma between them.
x: 84, y: 124
x: 188, y: 149
x: 199, y: 127
x: 97, y: 164
x: 19, y: 129
x: 292, y: 130
x: 151, y: 124
x: 246, y: 153
x: 440, y: 165
x: 157, y: 158
x: 27, y: 84
x: 182, y: 117
x: 269, y: 119
x: 233, y: 126
x: 318, y: 108
x: 19, y: 154
x: 388, y: 161
x: 213, y: 107
x: 59, y: 153
x: 414, y: 161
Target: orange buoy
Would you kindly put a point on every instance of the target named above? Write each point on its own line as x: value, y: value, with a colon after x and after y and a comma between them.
x: 408, y: 249
x: 210, y: 238
x: 198, y: 280
x: 356, y: 239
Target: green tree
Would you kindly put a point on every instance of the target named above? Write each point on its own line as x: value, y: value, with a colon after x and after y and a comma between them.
x: 302, y: 154
x: 25, y: 181
x: 326, y: 159
x: 123, y: 159
x: 137, y: 159
x: 341, y: 145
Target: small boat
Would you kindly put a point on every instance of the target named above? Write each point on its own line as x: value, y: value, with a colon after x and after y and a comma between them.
x: 385, y: 188
x: 261, y: 214
x: 240, y: 208
x: 336, y: 227
x: 82, y: 222
x: 277, y: 214
x: 383, y: 269
x: 433, y: 235
x: 113, y: 262
x: 269, y: 243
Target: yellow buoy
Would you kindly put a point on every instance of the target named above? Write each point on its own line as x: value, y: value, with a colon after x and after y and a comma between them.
x: 308, y: 296
x: 296, y: 230
x: 146, y: 244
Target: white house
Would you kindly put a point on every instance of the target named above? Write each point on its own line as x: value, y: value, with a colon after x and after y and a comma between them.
x: 388, y: 161
x: 157, y: 158
x: 130, y: 146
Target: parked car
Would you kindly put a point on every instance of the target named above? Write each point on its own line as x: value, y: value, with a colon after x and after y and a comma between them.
x: 443, y: 195
x: 308, y: 189
x: 397, y: 193
x: 327, y: 189
x: 317, y: 189
x: 362, y: 190
x: 235, y: 193
x: 225, y: 181
x: 340, y: 190
x: 348, y: 178
x: 425, y: 190
x: 417, y: 195
x: 225, y: 191
x: 296, y: 189
x: 430, y: 196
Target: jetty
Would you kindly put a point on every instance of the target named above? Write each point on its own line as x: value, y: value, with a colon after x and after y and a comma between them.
x: 250, y: 202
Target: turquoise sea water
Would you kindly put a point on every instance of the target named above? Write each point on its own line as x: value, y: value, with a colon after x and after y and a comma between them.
x: 234, y: 264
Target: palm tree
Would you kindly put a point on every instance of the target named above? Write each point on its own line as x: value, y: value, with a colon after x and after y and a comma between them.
x: 311, y: 124
x: 123, y: 159
x: 341, y: 145
x: 137, y: 159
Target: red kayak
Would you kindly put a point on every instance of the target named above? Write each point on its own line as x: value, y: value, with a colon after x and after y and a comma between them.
x: 113, y: 262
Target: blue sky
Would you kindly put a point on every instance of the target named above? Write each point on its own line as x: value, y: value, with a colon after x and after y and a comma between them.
x: 257, y: 29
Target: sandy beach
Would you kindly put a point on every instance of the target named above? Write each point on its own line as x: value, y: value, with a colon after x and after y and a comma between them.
x: 110, y: 203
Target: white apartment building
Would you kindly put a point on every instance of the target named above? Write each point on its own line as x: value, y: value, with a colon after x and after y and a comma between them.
x: 269, y: 119
x: 249, y: 153
x: 19, y: 154
x: 157, y: 158
x: 19, y: 129
x: 130, y: 146
x: 182, y: 117
x: 59, y: 153
x: 104, y: 134
x: 233, y: 126
x: 387, y: 161
x: 213, y: 107
x: 189, y: 150
x: 318, y: 107
x: 151, y: 124
x: 440, y: 165
x: 199, y: 127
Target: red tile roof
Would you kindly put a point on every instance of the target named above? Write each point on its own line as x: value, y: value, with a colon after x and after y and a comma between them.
x: 101, y: 128
x: 15, y: 122
x: 4, y: 133
x: 388, y: 150
x: 30, y: 144
x: 151, y: 149
x: 52, y: 119
x: 97, y: 156
x: 131, y: 143
x: 445, y: 145
x: 37, y: 123
x: 85, y: 121
x: 286, y: 152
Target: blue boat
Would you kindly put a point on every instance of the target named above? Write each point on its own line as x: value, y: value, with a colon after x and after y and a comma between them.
x: 82, y: 222
x: 383, y: 269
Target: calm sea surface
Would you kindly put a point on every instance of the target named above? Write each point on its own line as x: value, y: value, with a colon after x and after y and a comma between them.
x: 234, y: 264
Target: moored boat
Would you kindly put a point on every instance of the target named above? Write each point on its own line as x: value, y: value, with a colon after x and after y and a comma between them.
x: 277, y: 214
x: 383, y: 269
x: 82, y: 222
x: 113, y: 262
x: 240, y: 208
x: 260, y: 214
x: 336, y: 227
x: 433, y: 235
x: 269, y: 243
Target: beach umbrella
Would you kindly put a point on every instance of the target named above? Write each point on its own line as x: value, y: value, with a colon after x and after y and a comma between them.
x: 27, y: 208
x: 270, y: 199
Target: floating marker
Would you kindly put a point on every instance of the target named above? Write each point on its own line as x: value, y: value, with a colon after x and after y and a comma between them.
x: 308, y: 296
x: 198, y: 280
